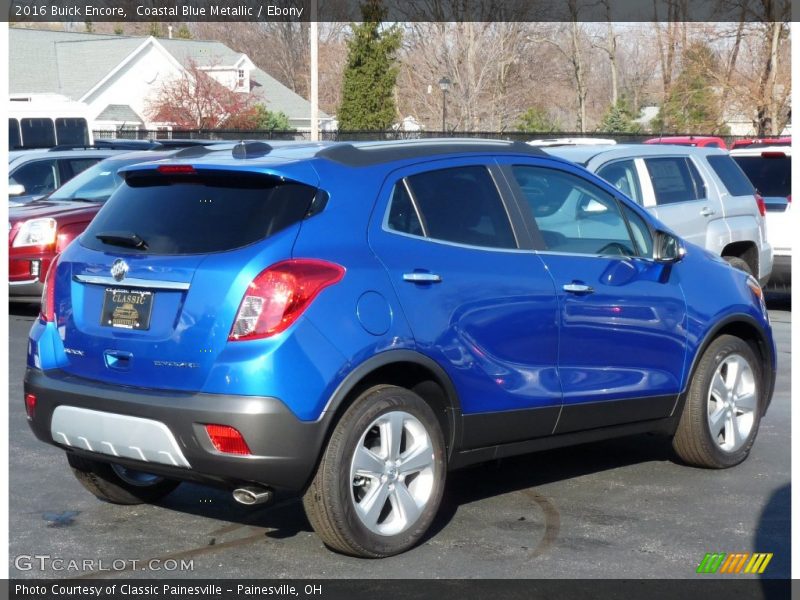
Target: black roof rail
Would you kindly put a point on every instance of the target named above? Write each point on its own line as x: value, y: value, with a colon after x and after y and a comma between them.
x: 109, y: 145
x: 250, y: 149
x: 376, y: 153
x: 194, y: 151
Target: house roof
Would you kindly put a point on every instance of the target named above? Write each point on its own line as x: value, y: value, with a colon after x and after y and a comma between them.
x: 72, y: 64
x: 120, y: 112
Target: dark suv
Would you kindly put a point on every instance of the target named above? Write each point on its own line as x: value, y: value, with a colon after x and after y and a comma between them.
x: 348, y: 322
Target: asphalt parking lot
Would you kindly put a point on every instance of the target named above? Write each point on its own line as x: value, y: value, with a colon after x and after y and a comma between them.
x: 622, y: 508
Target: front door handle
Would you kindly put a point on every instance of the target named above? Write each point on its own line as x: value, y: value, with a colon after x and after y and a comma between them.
x: 578, y: 288
x: 707, y: 212
x: 422, y: 277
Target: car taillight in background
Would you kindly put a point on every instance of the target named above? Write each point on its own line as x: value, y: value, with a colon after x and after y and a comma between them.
x: 762, y: 207
x: 279, y: 295
x: 47, y: 312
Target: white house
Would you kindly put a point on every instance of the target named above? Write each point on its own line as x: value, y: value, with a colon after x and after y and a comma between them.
x: 116, y: 76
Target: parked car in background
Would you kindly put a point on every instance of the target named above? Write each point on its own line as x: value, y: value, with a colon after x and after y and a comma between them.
x: 33, y: 174
x: 39, y: 230
x: 45, y: 121
x: 698, y: 192
x: 697, y: 141
x: 347, y: 322
x: 773, y: 141
x: 769, y: 168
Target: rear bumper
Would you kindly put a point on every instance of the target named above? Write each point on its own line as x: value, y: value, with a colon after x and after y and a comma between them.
x: 284, y: 449
x: 25, y: 291
x: 781, y: 277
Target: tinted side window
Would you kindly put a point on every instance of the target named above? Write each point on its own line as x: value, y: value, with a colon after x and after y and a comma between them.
x: 462, y: 205
x: 72, y: 131
x: 14, y: 141
x: 200, y: 213
x: 732, y: 177
x: 572, y: 214
x: 38, y: 177
x: 675, y: 179
x: 38, y: 133
x: 402, y: 215
x: 623, y: 176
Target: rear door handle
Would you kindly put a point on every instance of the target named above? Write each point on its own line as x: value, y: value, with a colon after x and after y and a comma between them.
x: 422, y: 277
x: 707, y: 212
x: 578, y: 288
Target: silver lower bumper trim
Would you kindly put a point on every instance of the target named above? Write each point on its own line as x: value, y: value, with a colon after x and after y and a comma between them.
x: 116, y: 435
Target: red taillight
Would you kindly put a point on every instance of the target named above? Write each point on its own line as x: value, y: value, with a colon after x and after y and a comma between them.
x: 789, y: 198
x: 30, y: 405
x: 47, y: 312
x: 227, y: 439
x: 773, y: 154
x: 279, y: 295
x: 176, y: 169
x: 762, y: 207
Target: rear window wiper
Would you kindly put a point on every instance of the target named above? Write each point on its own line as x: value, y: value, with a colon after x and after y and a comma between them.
x: 122, y: 238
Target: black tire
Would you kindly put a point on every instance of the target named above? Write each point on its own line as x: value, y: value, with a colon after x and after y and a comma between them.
x: 103, y: 481
x: 694, y: 442
x: 738, y: 263
x: 330, y: 501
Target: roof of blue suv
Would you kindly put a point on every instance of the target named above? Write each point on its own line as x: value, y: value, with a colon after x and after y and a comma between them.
x: 351, y: 154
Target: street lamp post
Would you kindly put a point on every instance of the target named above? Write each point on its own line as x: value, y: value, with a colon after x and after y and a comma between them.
x: 444, y: 85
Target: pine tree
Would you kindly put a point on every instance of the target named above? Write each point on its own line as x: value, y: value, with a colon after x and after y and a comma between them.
x: 537, y: 120
x: 618, y: 119
x: 183, y: 32
x: 371, y: 73
x: 692, y: 105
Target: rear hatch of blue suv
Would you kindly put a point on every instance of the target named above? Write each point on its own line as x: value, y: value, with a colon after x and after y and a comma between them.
x: 142, y: 363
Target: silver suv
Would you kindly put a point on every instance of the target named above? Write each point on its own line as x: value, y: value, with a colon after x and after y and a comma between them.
x: 701, y: 193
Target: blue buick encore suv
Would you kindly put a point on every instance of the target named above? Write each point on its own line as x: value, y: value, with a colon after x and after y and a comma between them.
x: 349, y: 322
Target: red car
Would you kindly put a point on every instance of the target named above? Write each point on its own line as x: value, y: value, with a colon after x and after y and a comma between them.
x: 39, y: 230
x: 770, y: 141
x: 699, y: 141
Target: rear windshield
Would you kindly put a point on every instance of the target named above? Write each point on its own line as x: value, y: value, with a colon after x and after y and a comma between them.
x: 198, y: 214
x: 771, y: 176
x: 732, y: 177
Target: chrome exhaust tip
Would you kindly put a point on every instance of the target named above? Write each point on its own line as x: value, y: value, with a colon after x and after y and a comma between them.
x: 252, y: 495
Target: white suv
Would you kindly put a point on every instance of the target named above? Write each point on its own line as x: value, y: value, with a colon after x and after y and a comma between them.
x: 700, y: 193
x: 770, y: 170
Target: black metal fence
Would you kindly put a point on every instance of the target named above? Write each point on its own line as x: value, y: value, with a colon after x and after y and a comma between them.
x: 353, y: 136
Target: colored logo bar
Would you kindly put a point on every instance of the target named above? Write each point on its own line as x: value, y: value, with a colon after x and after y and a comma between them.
x: 734, y: 563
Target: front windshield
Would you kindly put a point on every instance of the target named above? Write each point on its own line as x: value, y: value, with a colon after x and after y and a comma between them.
x: 95, y: 184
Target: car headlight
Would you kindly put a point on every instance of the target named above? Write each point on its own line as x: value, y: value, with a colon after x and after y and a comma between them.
x: 36, y: 232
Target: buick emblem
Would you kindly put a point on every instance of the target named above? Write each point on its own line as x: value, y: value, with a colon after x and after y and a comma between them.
x: 119, y: 269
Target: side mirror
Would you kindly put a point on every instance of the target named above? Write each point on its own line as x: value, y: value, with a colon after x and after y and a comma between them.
x: 16, y: 189
x: 668, y: 248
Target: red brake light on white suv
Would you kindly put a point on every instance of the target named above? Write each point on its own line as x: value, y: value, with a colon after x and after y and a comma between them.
x: 279, y: 295
x: 762, y: 207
